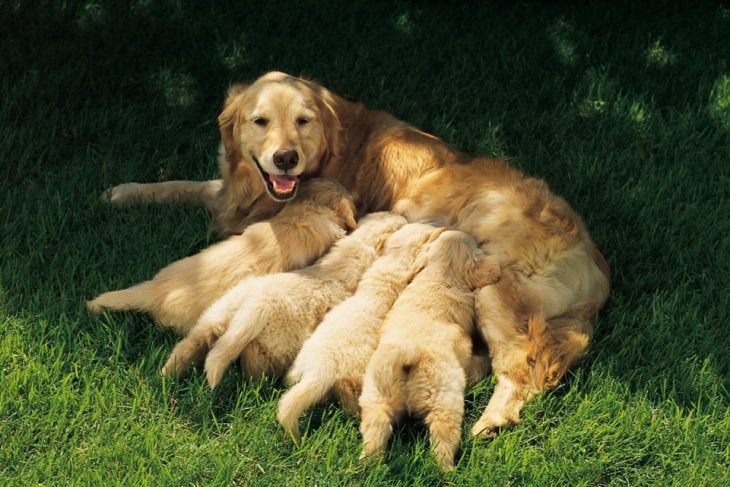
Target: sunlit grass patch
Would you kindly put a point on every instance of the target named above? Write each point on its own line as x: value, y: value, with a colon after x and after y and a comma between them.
x: 659, y: 55
x: 719, y: 104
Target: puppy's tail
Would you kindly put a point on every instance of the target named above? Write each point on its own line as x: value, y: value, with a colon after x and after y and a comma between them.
x: 394, y: 362
x: 313, y: 386
x: 244, y: 327
x: 139, y: 298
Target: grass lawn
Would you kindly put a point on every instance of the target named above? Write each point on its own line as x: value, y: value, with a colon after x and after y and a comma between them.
x: 624, y: 109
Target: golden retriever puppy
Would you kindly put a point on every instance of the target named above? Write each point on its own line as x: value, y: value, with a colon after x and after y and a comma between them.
x: 302, y: 232
x: 335, y: 356
x: 266, y: 319
x: 422, y: 361
x: 554, y: 274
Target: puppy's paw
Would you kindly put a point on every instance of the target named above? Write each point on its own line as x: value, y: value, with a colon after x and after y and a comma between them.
x: 370, y: 455
x: 173, y: 367
x: 214, y: 372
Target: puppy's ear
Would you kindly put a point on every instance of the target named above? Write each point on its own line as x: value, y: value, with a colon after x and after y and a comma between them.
x: 329, y: 193
x: 346, y: 210
x: 435, y: 234
x: 486, y: 271
x: 380, y: 244
x: 425, y: 252
x: 227, y: 122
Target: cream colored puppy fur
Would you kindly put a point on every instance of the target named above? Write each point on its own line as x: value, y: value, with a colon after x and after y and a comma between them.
x: 335, y: 356
x: 299, y: 234
x: 266, y: 319
x: 423, y: 358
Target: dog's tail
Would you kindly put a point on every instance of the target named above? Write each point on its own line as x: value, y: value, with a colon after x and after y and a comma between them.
x: 393, y: 362
x: 244, y: 327
x: 314, y: 384
x: 138, y: 298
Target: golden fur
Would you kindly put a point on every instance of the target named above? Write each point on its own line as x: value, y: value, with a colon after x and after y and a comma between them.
x: 335, y: 356
x: 302, y: 232
x: 422, y: 361
x: 266, y: 319
x: 554, y: 277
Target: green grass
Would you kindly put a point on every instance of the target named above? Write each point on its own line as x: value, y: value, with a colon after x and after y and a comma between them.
x: 624, y: 109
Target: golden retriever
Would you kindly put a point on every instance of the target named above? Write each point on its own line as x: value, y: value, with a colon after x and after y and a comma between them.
x: 553, y: 274
x: 335, y: 356
x: 303, y: 231
x: 422, y: 361
x: 266, y: 319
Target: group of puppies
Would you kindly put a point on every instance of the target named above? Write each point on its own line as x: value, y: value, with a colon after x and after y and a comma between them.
x: 383, y: 319
x: 363, y: 258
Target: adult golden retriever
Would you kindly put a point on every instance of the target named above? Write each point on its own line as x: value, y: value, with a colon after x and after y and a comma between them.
x: 537, y: 319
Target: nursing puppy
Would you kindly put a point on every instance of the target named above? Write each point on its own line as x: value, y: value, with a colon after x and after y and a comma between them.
x: 422, y: 362
x: 266, y: 319
x: 299, y: 234
x: 335, y: 356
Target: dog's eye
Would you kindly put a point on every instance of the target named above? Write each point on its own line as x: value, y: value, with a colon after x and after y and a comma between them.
x: 261, y: 121
x: 302, y: 121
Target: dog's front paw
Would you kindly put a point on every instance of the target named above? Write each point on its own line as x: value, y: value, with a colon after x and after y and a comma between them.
x: 121, y: 194
x: 484, y: 428
x: 93, y: 307
x: 490, y: 424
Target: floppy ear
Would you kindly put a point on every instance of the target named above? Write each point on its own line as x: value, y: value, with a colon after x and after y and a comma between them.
x: 486, y: 271
x: 422, y: 257
x: 346, y: 210
x: 380, y: 244
x: 328, y: 192
x: 329, y: 106
x: 570, y: 346
x: 435, y: 234
x: 227, y: 122
x: 536, y: 327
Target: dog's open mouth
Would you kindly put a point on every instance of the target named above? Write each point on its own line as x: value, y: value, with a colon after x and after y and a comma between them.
x: 281, y: 187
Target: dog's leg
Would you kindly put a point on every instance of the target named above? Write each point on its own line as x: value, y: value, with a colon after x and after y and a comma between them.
x: 376, y: 428
x: 191, y: 350
x: 311, y: 389
x: 246, y: 324
x: 479, y: 367
x: 137, y: 298
x: 444, y: 427
x: 499, y: 324
x: 503, y: 409
x: 205, y: 192
x: 379, y: 412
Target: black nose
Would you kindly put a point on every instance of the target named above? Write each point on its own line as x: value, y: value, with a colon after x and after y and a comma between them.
x: 286, y: 159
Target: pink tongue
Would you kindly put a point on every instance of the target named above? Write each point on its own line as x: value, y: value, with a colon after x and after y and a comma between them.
x: 283, y: 184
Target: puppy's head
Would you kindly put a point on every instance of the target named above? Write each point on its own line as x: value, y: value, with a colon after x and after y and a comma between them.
x: 457, y: 253
x: 409, y: 238
x: 278, y: 125
x: 331, y: 194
